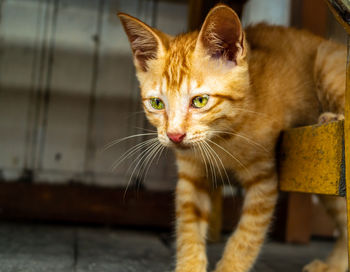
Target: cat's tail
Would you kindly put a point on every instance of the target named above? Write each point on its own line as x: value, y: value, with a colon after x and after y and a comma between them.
x: 330, y: 76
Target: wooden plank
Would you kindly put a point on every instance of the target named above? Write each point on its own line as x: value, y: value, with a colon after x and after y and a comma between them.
x: 86, y: 204
x: 298, y: 225
x: 311, y: 159
x: 76, y: 203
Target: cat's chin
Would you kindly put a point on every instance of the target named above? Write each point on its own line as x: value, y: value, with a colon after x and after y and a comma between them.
x: 180, y: 146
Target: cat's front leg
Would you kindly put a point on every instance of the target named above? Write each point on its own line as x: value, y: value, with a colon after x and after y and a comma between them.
x: 245, y: 243
x: 192, y: 215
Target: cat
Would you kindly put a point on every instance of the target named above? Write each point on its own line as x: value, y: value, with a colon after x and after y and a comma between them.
x: 220, y: 98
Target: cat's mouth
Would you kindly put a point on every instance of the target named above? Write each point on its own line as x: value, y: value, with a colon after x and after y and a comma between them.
x: 182, y: 142
x: 180, y: 145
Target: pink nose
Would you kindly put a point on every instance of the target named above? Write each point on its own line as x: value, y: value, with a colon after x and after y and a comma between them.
x: 176, y: 137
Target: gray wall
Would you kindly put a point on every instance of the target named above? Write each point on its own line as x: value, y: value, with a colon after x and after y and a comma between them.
x: 67, y: 88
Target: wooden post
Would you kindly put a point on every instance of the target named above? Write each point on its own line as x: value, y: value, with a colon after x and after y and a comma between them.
x: 302, y: 16
x: 298, y: 225
x: 347, y: 143
x: 215, y: 219
x: 341, y: 11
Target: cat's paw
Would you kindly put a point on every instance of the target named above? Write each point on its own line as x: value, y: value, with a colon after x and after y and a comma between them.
x: 327, y: 117
x: 319, y: 266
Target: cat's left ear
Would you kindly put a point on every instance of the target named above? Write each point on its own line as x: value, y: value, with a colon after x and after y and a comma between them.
x: 146, y: 42
x: 221, y: 35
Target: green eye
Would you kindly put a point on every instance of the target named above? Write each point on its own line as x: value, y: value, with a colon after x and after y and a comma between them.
x: 200, y: 101
x: 156, y: 103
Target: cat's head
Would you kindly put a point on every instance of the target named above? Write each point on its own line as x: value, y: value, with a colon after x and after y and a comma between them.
x: 191, y: 84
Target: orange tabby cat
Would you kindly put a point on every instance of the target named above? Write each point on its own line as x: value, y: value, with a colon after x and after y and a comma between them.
x: 220, y: 98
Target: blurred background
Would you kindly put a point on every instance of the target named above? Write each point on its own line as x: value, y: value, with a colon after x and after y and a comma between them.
x: 68, y: 89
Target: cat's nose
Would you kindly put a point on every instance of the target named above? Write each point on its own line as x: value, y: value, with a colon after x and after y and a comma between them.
x: 176, y: 137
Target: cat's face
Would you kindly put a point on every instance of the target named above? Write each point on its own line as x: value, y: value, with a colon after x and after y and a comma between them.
x: 192, y: 83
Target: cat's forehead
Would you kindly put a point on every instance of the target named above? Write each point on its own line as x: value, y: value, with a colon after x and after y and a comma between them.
x: 178, y: 61
x: 188, y: 86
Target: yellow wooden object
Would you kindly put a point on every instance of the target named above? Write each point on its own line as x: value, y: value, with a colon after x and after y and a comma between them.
x: 311, y: 159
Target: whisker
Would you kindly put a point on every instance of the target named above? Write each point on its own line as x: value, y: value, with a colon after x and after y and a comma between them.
x: 132, y: 114
x: 160, y: 155
x: 204, y: 160
x: 228, y: 153
x: 211, y: 165
x: 261, y: 114
x: 131, y: 151
x: 117, y: 141
x: 222, y: 165
x: 211, y: 168
x: 146, y: 160
x: 140, y: 157
x: 146, y: 129
x: 205, y: 145
x: 158, y: 149
x: 252, y: 142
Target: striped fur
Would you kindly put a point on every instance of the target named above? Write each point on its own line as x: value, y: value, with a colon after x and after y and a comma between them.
x: 259, y: 81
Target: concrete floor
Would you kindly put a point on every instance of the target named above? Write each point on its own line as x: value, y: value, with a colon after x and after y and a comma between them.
x: 52, y: 248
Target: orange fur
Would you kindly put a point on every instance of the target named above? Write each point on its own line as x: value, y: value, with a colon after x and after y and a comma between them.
x: 259, y: 81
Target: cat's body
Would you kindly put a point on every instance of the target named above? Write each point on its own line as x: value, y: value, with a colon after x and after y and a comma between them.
x: 221, y: 98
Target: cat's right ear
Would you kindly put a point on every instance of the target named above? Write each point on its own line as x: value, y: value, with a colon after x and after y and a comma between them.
x: 222, y: 36
x: 146, y: 42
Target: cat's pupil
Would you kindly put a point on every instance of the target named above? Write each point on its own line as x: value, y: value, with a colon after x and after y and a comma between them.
x: 200, y: 99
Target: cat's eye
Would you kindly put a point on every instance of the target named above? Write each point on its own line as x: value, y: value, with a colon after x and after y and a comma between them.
x: 156, y: 103
x: 200, y: 101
